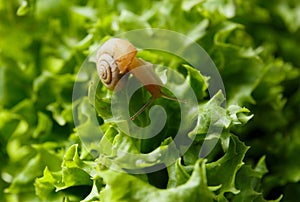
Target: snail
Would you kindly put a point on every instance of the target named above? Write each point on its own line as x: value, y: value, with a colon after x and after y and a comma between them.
x: 115, y: 58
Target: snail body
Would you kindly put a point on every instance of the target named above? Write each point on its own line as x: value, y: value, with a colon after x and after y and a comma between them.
x: 116, y: 57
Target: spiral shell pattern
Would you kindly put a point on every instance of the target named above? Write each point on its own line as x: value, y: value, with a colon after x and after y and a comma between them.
x: 108, y: 70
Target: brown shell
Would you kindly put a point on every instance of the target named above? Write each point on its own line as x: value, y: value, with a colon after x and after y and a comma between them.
x: 108, y: 71
x: 121, y: 50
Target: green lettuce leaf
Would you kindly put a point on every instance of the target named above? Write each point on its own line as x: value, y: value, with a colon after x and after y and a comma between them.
x: 44, y: 158
x: 194, y: 189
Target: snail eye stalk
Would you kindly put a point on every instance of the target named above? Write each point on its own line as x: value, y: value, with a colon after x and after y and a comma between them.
x: 149, y: 102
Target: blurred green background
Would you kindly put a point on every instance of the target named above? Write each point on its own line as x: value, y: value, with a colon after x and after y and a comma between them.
x: 255, y: 44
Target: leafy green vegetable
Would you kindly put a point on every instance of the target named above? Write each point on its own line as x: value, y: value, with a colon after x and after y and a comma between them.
x: 44, y: 157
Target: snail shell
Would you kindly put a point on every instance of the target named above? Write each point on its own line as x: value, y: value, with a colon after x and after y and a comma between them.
x: 114, y: 59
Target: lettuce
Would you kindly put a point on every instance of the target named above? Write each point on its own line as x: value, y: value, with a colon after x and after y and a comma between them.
x: 45, y: 157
